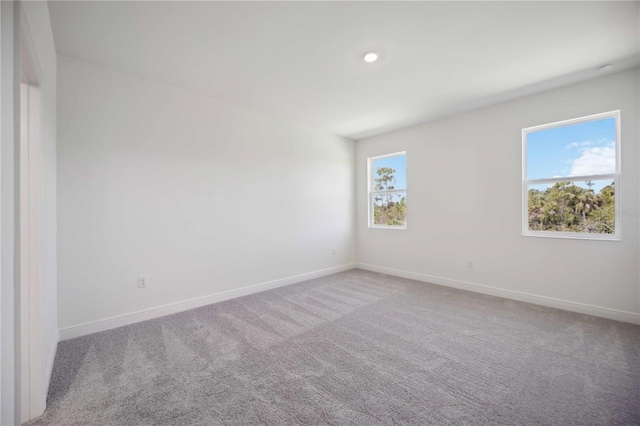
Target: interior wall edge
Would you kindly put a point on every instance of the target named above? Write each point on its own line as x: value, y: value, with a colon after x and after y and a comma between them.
x: 51, y: 361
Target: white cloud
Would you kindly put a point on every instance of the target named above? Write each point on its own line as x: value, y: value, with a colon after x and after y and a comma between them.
x: 595, y: 160
x: 590, y: 142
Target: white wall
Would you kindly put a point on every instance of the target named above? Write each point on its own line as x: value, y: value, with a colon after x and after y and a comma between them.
x: 39, y: 24
x: 464, y: 203
x: 9, y: 224
x: 199, y: 196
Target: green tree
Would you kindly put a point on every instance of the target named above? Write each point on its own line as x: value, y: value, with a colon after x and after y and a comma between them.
x: 567, y: 207
x: 386, y: 210
x: 605, y: 217
x: 559, y: 202
x: 586, y: 202
x: 385, y: 181
x: 537, y: 216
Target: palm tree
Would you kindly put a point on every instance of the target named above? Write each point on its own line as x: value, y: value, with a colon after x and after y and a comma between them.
x: 587, y: 202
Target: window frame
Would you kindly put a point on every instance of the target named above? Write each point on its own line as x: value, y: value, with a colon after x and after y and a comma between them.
x: 371, y: 193
x: 615, y: 177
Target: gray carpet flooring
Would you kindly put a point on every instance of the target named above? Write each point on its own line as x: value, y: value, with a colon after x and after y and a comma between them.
x: 354, y: 348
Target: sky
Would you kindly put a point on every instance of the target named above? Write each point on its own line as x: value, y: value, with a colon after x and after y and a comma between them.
x: 398, y: 163
x: 586, y: 148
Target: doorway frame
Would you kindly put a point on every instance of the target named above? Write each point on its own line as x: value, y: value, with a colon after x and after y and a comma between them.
x: 9, y: 213
x: 32, y: 328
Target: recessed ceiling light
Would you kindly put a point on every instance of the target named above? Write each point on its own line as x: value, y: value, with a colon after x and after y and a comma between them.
x: 605, y: 67
x: 370, y: 57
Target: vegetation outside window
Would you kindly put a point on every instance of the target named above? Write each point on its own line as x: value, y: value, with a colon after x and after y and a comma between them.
x: 388, y: 191
x: 570, y: 178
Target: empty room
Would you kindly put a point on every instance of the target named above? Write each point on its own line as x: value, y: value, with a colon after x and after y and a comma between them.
x: 319, y: 213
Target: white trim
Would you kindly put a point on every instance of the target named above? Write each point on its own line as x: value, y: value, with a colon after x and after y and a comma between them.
x: 526, y: 232
x: 34, y: 379
x: 566, y: 305
x: 10, y: 364
x: 25, y: 32
x: 400, y: 227
x: 393, y: 191
x: 172, y: 308
x: 573, y: 235
x: 609, y: 176
x: 561, y: 123
x: 25, y: 270
x: 33, y: 356
x: 393, y: 154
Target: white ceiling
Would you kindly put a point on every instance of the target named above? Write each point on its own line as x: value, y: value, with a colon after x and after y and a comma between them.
x: 303, y: 61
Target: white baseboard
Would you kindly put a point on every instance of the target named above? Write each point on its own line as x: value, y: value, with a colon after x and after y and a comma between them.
x: 172, y: 308
x: 551, y: 302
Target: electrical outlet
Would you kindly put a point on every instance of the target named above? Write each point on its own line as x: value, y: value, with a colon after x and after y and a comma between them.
x: 334, y: 251
x: 143, y: 282
x: 470, y: 264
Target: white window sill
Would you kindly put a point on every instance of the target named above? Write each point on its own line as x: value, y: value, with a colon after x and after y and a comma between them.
x: 572, y: 236
x: 402, y: 228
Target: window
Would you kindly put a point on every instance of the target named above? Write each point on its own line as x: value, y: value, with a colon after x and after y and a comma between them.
x: 388, y: 191
x: 570, y: 178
